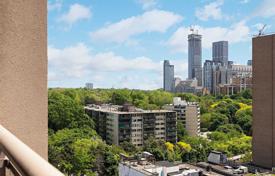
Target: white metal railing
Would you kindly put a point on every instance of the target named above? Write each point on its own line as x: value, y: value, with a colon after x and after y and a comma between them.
x: 22, y: 158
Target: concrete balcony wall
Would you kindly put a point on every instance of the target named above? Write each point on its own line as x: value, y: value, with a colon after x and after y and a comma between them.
x: 23, y: 71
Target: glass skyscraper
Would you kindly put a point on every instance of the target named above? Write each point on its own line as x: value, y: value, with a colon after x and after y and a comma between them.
x: 168, y: 76
x: 194, y: 57
x: 220, y: 52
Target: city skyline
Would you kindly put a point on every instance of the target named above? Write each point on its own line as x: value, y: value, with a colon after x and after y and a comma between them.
x: 89, y: 41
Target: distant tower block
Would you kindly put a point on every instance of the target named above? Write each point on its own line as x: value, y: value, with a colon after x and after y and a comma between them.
x: 168, y: 76
x: 194, y: 57
x: 220, y: 52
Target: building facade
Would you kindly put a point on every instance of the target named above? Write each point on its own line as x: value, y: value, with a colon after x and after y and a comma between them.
x: 168, y: 76
x: 215, y: 73
x: 117, y: 124
x: 263, y: 142
x: 238, y: 84
x: 188, y: 86
x: 188, y: 113
x: 249, y: 62
x: 195, y: 57
x: 241, y: 70
x: 220, y: 52
x: 89, y: 85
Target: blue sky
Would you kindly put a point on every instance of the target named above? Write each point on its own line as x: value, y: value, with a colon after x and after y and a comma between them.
x: 122, y: 43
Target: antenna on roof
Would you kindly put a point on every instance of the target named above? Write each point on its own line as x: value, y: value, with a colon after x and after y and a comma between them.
x: 261, y: 31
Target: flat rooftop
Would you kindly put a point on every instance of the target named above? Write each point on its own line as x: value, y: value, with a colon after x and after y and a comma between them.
x: 117, y: 109
x: 150, y: 168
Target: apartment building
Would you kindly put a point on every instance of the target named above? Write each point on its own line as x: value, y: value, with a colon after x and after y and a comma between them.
x: 117, y: 124
x: 188, y: 113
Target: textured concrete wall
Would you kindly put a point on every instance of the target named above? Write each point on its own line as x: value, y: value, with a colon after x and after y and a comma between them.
x: 264, y: 101
x: 23, y: 71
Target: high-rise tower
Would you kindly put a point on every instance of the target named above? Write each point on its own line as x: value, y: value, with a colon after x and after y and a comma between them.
x: 194, y: 57
x: 168, y: 76
x: 220, y: 52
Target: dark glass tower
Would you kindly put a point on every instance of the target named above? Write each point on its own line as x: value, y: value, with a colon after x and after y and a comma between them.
x: 220, y: 52
x: 194, y: 57
x: 168, y: 76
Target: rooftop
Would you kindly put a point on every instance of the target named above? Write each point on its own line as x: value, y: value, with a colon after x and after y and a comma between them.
x: 117, y: 109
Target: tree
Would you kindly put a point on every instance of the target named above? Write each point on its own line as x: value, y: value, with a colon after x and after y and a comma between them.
x: 217, y: 120
x: 188, y: 97
x: 82, y: 152
x: 128, y: 147
x: 244, y: 119
x: 200, y: 148
x: 65, y: 112
x: 156, y: 147
x: 233, y: 130
x: 170, y: 154
x: 160, y: 98
x: 217, y: 136
x: 247, y: 93
x: 184, y: 146
x: 211, y: 121
x: 64, y: 149
x: 205, y: 121
x: 111, y: 163
x: 181, y: 132
x: 120, y: 97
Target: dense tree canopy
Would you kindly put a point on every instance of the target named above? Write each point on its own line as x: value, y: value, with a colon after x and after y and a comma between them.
x: 75, y: 148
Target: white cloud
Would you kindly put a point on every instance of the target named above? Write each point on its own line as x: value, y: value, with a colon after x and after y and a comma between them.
x: 107, y: 69
x: 244, y: 1
x: 150, y: 21
x: 235, y: 33
x: 76, y: 12
x: 211, y: 10
x: 76, y: 61
x: 147, y: 4
x: 265, y: 9
x: 54, y: 5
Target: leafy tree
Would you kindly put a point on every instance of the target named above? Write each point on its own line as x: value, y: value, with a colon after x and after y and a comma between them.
x: 217, y: 136
x: 82, y: 152
x: 111, y: 163
x: 200, y: 148
x: 184, y: 146
x: 65, y: 112
x: 120, y: 97
x: 188, y: 97
x: 217, y: 120
x: 232, y: 130
x: 244, y: 119
x: 160, y: 98
x: 205, y: 121
x: 128, y: 147
x: 181, y: 132
x: 156, y: 147
x: 212, y: 121
x: 64, y: 148
x: 170, y: 153
x: 247, y: 94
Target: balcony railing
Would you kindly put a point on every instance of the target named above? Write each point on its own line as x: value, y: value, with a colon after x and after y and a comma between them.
x: 21, y: 160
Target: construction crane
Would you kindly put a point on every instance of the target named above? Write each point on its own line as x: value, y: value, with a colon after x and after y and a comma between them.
x: 192, y: 29
x: 261, y: 31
